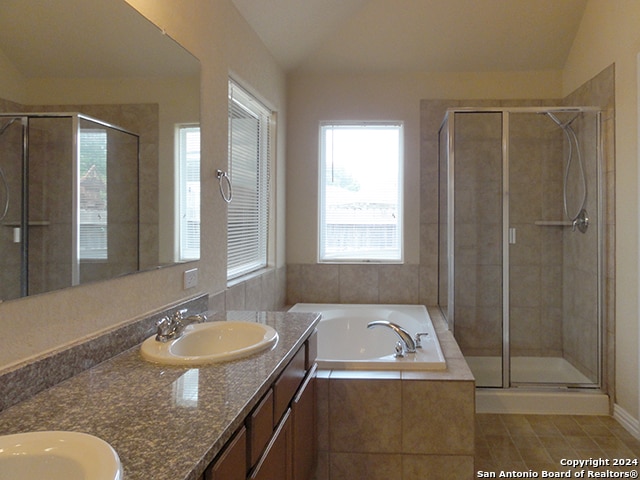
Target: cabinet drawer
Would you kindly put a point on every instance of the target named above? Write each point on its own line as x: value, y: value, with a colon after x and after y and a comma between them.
x: 312, y: 350
x: 260, y: 427
x: 288, y: 382
x: 276, y: 464
x: 232, y: 463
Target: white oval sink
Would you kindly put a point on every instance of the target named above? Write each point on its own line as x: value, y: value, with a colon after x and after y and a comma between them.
x: 211, y: 342
x: 58, y: 456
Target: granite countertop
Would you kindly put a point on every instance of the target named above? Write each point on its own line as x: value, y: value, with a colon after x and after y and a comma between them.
x: 165, y: 422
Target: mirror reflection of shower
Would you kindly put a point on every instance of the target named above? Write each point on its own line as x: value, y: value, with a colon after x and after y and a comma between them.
x: 60, y: 173
x: 4, y: 184
x: 580, y: 218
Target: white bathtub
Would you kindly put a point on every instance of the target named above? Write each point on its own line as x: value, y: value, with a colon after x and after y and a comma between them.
x: 345, y: 342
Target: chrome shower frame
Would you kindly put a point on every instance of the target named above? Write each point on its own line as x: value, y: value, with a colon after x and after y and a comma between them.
x: 448, y: 127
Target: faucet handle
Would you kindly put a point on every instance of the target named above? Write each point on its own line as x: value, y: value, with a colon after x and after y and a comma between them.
x: 400, y: 350
x: 164, y: 327
x: 196, y: 318
x: 418, y: 339
x: 178, y: 315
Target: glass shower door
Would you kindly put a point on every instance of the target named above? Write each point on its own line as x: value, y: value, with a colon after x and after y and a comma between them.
x: 477, y: 170
x: 11, y: 171
x: 50, y: 208
x: 553, y: 267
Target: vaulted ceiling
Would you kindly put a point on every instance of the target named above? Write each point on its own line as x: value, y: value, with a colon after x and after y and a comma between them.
x: 416, y: 35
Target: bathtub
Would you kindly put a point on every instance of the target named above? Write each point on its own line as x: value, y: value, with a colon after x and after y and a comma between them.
x: 345, y: 342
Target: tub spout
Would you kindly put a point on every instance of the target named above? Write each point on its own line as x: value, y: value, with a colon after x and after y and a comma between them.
x: 407, y: 344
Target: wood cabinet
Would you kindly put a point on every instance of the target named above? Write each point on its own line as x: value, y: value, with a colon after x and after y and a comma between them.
x: 276, y: 461
x: 278, y: 440
x: 260, y: 427
x: 305, y: 435
x: 231, y: 464
x: 287, y: 384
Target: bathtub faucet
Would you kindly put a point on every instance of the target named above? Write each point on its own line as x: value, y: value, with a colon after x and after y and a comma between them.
x: 406, y: 343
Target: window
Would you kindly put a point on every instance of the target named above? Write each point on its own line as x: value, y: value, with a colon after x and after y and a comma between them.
x: 249, y: 170
x: 93, y: 194
x: 189, y: 191
x: 360, y: 192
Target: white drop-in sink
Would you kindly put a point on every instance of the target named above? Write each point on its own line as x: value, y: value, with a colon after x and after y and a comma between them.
x: 58, y: 456
x: 211, y: 342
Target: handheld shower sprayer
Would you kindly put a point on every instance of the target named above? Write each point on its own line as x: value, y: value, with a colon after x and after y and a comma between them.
x: 3, y: 178
x: 580, y: 219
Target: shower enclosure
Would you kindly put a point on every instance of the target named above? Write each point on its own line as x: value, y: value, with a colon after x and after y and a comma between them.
x: 521, y: 235
x: 68, y: 201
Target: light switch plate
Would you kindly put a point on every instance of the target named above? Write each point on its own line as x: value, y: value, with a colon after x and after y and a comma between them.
x: 190, y: 278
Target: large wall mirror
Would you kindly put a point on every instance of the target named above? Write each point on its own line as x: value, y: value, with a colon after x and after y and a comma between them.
x: 99, y: 145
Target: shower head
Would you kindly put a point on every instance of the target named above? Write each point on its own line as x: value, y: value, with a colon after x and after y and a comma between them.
x: 559, y: 123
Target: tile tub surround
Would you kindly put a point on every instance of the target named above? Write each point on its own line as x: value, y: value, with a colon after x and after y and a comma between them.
x: 21, y: 381
x: 402, y: 425
x: 165, y: 422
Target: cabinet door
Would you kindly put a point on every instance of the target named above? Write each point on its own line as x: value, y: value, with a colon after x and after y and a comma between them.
x: 275, y: 464
x: 232, y: 462
x: 305, y: 437
x: 260, y: 428
x: 285, y: 387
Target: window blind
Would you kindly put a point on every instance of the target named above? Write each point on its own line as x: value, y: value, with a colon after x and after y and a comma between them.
x: 249, y: 171
x: 360, y: 192
x: 93, y: 194
x: 189, y: 188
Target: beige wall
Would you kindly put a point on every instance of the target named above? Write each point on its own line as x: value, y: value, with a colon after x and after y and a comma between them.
x: 215, y: 33
x: 12, y: 84
x: 315, y: 97
x: 609, y: 34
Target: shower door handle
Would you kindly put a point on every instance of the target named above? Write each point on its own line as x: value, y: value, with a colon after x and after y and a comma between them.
x: 512, y: 236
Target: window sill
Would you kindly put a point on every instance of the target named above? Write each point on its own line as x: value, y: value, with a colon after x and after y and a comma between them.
x: 249, y: 276
x: 361, y: 262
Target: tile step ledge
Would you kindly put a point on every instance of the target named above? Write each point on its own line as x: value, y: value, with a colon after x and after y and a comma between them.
x: 557, y: 402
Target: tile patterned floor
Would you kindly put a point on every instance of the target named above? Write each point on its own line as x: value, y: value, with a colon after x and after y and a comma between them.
x: 539, y: 442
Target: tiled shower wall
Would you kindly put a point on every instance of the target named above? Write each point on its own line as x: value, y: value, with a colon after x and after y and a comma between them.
x: 536, y: 176
x: 576, y: 336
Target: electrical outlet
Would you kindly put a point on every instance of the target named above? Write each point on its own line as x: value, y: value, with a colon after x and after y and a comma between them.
x: 190, y: 278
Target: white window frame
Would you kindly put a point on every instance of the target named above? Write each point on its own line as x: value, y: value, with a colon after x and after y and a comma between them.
x: 368, y: 251
x: 249, y: 210
x: 188, y: 187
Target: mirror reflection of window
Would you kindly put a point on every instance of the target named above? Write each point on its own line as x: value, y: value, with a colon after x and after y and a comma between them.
x: 189, y: 192
x: 185, y: 389
x: 93, y: 194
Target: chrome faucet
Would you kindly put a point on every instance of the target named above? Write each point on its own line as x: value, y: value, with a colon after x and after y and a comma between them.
x: 170, y: 328
x: 406, y: 343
